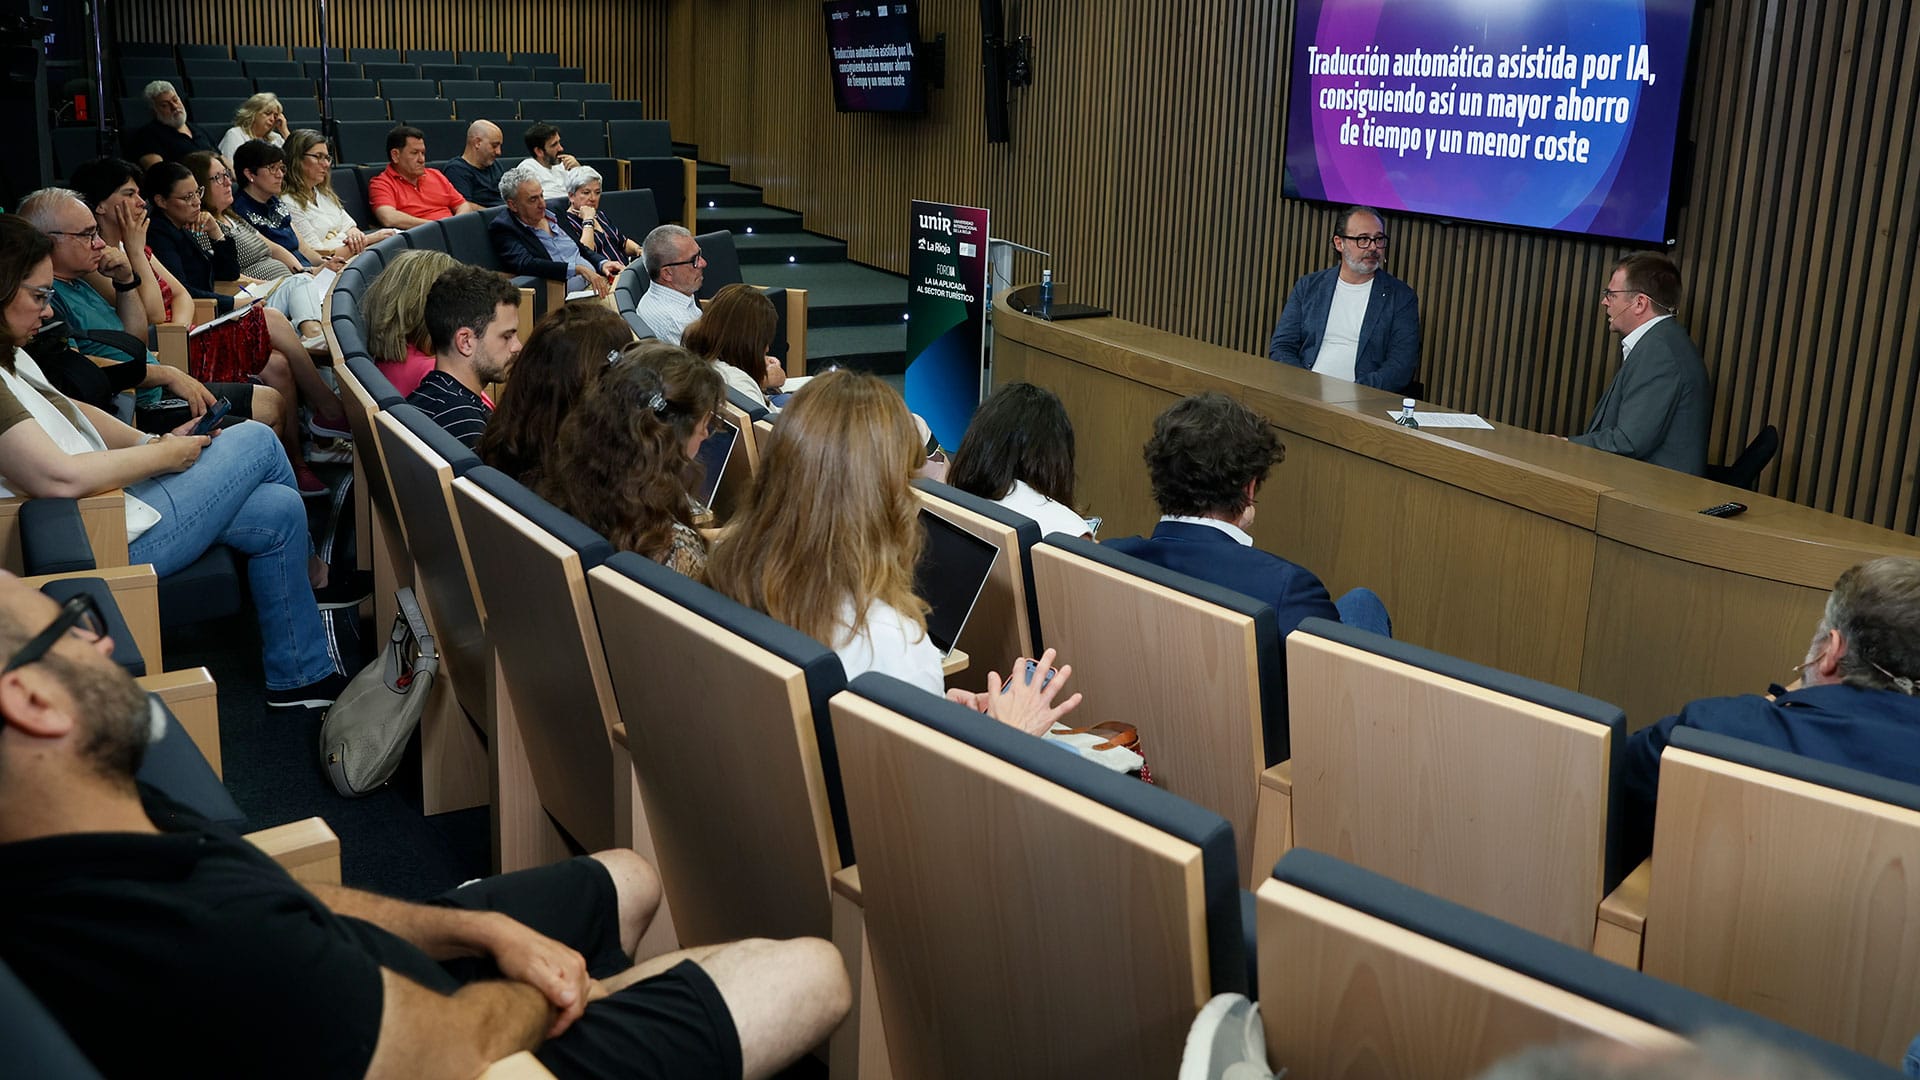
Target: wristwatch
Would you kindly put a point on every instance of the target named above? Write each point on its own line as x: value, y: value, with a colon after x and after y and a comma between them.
x: 126, y: 286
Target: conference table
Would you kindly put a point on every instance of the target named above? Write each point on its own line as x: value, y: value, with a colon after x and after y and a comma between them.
x: 1508, y: 547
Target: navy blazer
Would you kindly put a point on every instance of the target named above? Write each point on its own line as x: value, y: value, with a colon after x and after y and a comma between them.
x: 180, y: 253
x: 1874, y: 731
x: 1205, y: 552
x: 522, y: 254
x: 1389, y: 350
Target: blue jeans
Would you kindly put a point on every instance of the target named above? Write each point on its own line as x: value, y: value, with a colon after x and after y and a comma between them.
x: 1363, y: 609
x: 240, y: 493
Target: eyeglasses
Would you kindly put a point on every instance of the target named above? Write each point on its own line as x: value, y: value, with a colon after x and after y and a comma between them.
x: 1365, y: 242
x: 88, y: 235
x: 278, y: 167
x: 697, y: 260
x: 192, y: 196
x: 318, y: 156
x: 42, y: 294
x: 81, y: 612
x: 1608, y: 294
x: 220, y: 178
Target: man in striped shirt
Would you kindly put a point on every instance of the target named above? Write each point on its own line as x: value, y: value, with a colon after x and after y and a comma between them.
x: 473, y: 318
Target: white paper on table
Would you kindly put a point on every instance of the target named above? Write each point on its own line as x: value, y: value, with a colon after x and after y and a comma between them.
x: 240, y: 308
x: 1445, y: 419
x: 581, y: 294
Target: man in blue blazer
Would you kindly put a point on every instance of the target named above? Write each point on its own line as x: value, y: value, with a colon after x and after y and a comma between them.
x: 1853, y: 705
x: 1353, y: 320
x: 1207, y: 459
x: 530, y: 242
x: 1660, y: 404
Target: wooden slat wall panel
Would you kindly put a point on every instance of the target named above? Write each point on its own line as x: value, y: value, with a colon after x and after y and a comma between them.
x: 1147, y: 157
x: 618, y: 42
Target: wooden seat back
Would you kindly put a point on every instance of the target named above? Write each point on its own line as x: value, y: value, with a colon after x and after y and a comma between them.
x: 1004, y: 624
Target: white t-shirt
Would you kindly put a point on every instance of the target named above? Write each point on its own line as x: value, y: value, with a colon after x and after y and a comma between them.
x: 890, y: 645
x: 321, y: 225
x: 235, y: 138
x: 553, y: 178
x: 1340, y: 347
x: 1052, y: 516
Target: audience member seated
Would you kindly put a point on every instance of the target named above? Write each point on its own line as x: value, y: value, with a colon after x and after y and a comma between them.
x: 267, y: 270
x: 259, y: 117
x: 395, y: 312
x: 259, y: 176
x: 184, y: 492
x: 675, y: 269
x: 319, y: 219
x: 554, y: 367
x: 1353, y: 320
x: 1853, y: 705
x: 735, y: 334
x: 168, y: 136
x: 476, y: 173
x: 549, y: 159
x: 166, y: 945
x: 1018, y: 451
x: 1207, y: 458
x: 407, y: 193
x: 530, y: 241
x: 623, y: 467
x: 473, y: 318
x: 596, y: 235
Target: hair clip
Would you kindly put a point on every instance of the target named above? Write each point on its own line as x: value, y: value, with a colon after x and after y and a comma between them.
x: 613, y: 355
x: 658, y: 404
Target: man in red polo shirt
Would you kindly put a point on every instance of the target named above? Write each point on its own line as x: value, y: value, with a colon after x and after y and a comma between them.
x: 407, y: 193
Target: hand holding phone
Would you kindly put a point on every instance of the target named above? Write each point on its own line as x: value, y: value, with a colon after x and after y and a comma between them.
x: 212, y: 417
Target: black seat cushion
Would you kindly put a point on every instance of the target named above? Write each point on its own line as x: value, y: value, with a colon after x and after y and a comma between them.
x: 126, y: 651
x: 175, y: 767
x: 206, y: 588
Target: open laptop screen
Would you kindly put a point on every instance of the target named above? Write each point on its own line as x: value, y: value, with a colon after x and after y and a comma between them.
x: 713, y: 456
x: 953, y: 568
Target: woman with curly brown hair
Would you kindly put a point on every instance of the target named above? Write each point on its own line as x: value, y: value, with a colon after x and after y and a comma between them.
x: 554, y: 366
x: 623, y: 461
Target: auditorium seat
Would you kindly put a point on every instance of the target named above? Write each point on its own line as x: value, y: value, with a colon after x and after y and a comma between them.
x: 615, y: 110
x: 337, y: 69
x: 369, y: 108
x: 365, y: 392
x: 213, y: 68
x: 638, y: 138
x: 488, y: 108
x: 628, y: 287
x: 219, y: 86
x: 1195, y: 668
x: 422, y: 462
x: 586, y: 90
x: 346, y: 89
x: 256, y: 53
x: 789, y: 304
x: 363, y: 142
x: 374, y: 55
x: 144, y: 49
x: 194, y: 53
x: 311, y: 54
x: 1033, y: 913
x: 72, y: 147
x: 476, y: 57
x: 36, y: 1043
x: 499, y: 72
x: 1784, y: 885
x: 438, y: 72
x: 633, y: 212
x: 523, y: 89
x: 468, y: 88
x: 1744, y: 471
x: 560, y: 74
x: 1490, y: 790
x: 445, y: 138
x: 430, y: 56
x: 390, y: 69
x: 1005, y: 624
x: 288, y: 87
x: 137, y: 71
x: 302, y: 112
x: 466, y: 240
x: 135, y: 112
x: 409, y: 88
x: 214, y: 112
x: 1355, y: 968
x: 536, y: 59
x: 582, y: 138
x: 552, y: 110
x: 418, y: 110
x: 273, y: 69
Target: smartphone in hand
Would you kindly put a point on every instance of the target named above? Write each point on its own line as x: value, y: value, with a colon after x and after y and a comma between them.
x: 212, y: 417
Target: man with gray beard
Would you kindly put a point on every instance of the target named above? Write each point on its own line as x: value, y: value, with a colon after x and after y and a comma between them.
x: 168, y: 136
x: 1353, y: 320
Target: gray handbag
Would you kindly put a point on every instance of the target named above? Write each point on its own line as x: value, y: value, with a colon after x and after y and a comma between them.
x: 366, y: 731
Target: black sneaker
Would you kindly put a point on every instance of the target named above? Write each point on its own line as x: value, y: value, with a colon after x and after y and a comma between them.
x: 344, y: 589
x: 314, y: 695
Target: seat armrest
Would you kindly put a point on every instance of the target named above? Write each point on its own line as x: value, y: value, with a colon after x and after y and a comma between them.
x: 204, y: 309
x: 1279, y: 777
x: 170, y: 344
x: 136, y: 591
x: 194, y: 699
x: 847, y: 883
x: 53, y: 537
x: 520, y: 1066
x: 1619, y: 931
x: 306, y: 849
x: 796, y: 331
x: 104, y: 517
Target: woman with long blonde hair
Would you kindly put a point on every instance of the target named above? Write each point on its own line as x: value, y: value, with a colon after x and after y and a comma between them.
x: 259, y: 117
x: 395, y: 314
x: 828, y: 536
x: 319, y: 217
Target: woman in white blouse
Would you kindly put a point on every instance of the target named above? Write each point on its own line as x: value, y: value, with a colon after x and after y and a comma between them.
x: 259, y: 117
x: 734, y: 333
x: 319, y: 218
x: 1018, y: 451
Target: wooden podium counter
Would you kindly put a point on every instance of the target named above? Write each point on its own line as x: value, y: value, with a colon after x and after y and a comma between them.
x: 1506, y: 547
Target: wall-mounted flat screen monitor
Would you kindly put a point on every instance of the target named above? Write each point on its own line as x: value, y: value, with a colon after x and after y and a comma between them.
x: 871, y: 56
x: 1546, y: 114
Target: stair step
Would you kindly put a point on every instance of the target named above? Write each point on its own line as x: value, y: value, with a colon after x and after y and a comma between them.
x: 799, y: 247
x: 746, y: 220
x: 718, y: 195
x: 712, y: 174
x: 868, y: 348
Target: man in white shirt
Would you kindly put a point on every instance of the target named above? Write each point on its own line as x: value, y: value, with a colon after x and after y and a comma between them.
x: 677, y: 268
x: 1353, y: 320
x: 549, y: 159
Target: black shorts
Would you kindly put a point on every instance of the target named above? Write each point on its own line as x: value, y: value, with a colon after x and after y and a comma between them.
x: 672, y: 1025
x: 159, y: 421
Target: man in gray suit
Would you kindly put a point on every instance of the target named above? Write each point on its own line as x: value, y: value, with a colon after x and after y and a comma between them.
x: 1353, y: 320
x: 1660, y: 404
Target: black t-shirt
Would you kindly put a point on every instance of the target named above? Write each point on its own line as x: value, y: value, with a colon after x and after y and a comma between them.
x: 193, y: 946
x: 154, y: 137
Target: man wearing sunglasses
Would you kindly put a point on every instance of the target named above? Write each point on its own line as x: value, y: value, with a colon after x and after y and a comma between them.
x: 167, y: 945
x: 1353, y: 320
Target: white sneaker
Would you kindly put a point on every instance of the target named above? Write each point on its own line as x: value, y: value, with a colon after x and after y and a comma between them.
x: 1226, y: 1042
x: 330, y: 452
